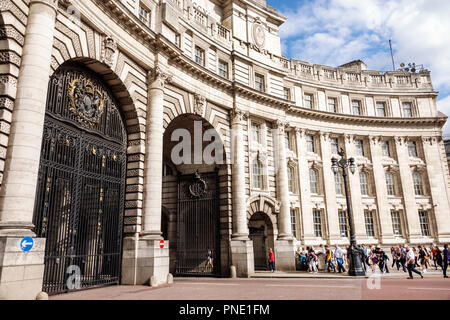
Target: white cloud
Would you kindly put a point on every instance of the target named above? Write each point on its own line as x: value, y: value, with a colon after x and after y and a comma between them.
x: 333, y: 32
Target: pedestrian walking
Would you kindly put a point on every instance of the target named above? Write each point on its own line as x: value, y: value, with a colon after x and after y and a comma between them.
x: 329, y: 259
x: 437, y: 257
x: 403, y: 257
x: 312, y: 258
x: 422, y: 258
x: 373, y: 258
x: 271, y: 260
x: 446, y: 259
x: 339, y: 256
x: 410, y: 262
x: 363, y: 253
x: 209, y: 260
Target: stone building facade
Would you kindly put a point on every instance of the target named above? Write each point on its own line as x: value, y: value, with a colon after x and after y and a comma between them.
x: 201, y: 66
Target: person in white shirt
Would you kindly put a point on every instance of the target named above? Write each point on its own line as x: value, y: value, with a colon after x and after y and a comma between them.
x: 410, y: 262
x: 339, y: 256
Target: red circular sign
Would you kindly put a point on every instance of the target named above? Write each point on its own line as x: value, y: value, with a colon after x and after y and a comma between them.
x: 161, y: 244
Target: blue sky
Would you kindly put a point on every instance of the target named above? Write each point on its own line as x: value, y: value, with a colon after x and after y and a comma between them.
x: 333, y: 32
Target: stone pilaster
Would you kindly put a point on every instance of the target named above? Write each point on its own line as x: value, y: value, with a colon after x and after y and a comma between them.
x: 304, y: 187
x: 438, y: 187
x: 241, y: 246
x: 355, y: 191
x: 386, y: 235
x: 329, y: 190
x: 144, y: 262
x: 407, y: 186
x: 21, y: 273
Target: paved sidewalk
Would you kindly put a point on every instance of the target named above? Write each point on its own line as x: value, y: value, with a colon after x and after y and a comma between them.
x: 332, y: 275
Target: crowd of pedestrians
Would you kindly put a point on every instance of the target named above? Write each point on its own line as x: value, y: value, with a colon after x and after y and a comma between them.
x: 404, y: 258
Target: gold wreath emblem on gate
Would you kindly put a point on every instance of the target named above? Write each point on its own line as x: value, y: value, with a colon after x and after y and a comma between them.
x: 198, y: 187
x: 86, y: 102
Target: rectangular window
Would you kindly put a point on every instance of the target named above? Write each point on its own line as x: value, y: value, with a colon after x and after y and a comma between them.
x: 385, y: 149
x: 368, y: 219
x: 144, y: 15
x: 359, y: 147
x: 313, y: 181
x: 412, y: 149
x: 287, y: 136
x: 308, y: 101
x: 424, y: 224
x: 334, y: 145
x: 287, y: 93
x: 256, y: 132
x: 310, y: 143
x: 291, y: 179
x: 332, y: 105
x: 364, y: 183
x: 356, y: 106
x: 294, y: 223
x: 390, y: 184
x: 381, y: 109
x: 199, y: 56
x: 343, y: 223
x: 396, y: 223
x: 407, y: 109
x: 178, y: 40
x: 338, y: 184
x: 317, y: 223
x: 257, y: 174
x: 259, y: 82
x: 223, y: 69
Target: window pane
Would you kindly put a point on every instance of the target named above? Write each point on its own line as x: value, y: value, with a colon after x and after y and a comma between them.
x: 223, y: 69
x: 385, y: 148
x: 368, y: 218
x: 291, y: 179
x: 343, y: 224
x: 363, y: 181
x: 338, y: 183
x: 317, y: 223
x: 257, y: 175
x: 313, y: 181
x: 356, y: 106
x: 334, y: 145
x: 390, y: 184
x: 407, y: 110
x: 199, y: 56
x: 332, y: 105
x: 308, y: 101
x: 294, y: 223
x: 424, y: 224
x: 381, y: 109
x: 412, y: 149
x: 259, y: 82
x: 396, y: 224
x: 359, y: 147
x: 417, y: 179
x: 310, y: 143
x: 287, y: 93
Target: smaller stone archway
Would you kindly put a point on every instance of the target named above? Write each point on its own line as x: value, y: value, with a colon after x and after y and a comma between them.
x: 262, y: 227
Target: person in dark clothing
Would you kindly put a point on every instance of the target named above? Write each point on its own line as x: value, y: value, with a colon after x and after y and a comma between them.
x: 437, y: 257
x: 382, y: 260
x: 445, y: 262
x: 410, y: 262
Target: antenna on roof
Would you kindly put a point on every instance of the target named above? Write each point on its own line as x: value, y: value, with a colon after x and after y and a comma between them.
x: 392, y: 55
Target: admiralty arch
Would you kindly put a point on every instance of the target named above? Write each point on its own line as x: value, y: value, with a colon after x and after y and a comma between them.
x: 95, y: 95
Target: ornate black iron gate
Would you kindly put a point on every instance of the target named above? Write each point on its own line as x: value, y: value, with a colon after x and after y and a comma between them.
x: 198, y: 225
x: 80, y: 194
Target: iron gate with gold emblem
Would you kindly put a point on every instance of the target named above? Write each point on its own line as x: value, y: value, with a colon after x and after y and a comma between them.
x: 198, y: 225
x: 80, y: 194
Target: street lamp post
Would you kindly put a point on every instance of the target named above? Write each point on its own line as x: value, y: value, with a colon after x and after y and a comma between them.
x: 355, y: 264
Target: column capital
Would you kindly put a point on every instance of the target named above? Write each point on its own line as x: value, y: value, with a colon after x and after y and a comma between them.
x: 349, y: 138
x: 324, y: 135
x: 238, y: 116
x: 430, y: 140
x: 158, y: 77
x: 281, y: 126
x: 399, y: 141
x: 375, y: 140
x: 300, y: 131
x: 51, y: 3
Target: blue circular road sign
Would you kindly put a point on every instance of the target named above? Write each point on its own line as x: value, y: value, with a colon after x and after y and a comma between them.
x: 27, y: 244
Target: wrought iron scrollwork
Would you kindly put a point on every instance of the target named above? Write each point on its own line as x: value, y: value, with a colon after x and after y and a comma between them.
x: 86, y: 102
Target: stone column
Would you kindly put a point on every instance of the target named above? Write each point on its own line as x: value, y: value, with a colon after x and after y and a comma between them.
x: 145, y: 262
x: 407, y: 187
x: 21, y: 272
x: 284, y: 245
x: 355, y: 191
x: 434, y: 156
x: 241, y: 246
x: 386, y: 235
x: 330, y: 191
x: 304, y: 187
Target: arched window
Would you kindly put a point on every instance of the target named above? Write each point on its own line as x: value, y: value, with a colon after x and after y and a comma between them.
x: 313, y: 181
x: 418, y: 187
x: 257, y: 177
x: 390, y: 184
x: 291, y: 181
x: 364, y: 184
x: 338, y: 183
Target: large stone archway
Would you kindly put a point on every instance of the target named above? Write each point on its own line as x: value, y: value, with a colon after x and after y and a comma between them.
x: 195, y: 220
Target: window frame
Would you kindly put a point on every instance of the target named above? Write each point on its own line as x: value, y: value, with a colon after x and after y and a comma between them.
x: 418, y: 184
x: 148, y: 14
x: 263, y: 78
x: 388, y: 149
x: 259, y: 178
x: 364, y: 185
x: 219, y: 69
x: 202, y: 56
x: 358, y: 153
x: 424, y: 220
x: 315, y: 181
x: 293, y: 220
x: 369, y: 223
x: 332, y: 145
x: 311, y: 143
x: 394, y: 189
x: 305, y: 94
x: 414, y: 154
x: 335, y: 104
x: 396, y: 215
x: 360, y: 113
x: 342, y: 216
x: 385, y: 113
x: 317, y: 223
x: 338, y: 182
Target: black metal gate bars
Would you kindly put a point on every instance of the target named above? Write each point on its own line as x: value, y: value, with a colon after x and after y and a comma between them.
x: 80, y: 192
x: 198, y: 225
